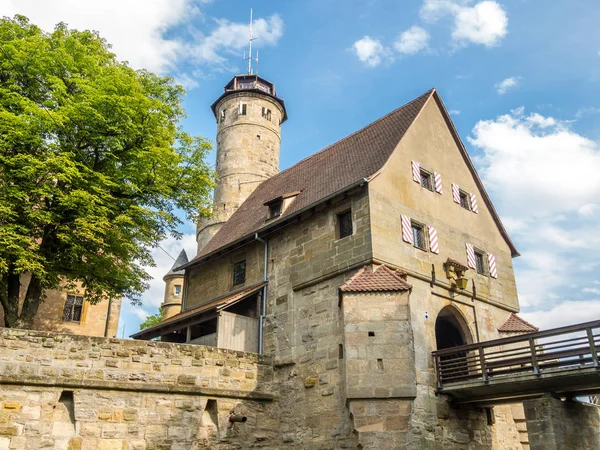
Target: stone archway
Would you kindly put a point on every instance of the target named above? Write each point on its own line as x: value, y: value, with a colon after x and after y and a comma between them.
x: 451, y: 329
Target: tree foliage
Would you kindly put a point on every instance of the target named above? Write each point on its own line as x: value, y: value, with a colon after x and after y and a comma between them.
x: 93, y: 167
x: 152, y: 320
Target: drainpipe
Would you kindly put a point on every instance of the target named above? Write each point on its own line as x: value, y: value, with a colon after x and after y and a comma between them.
x: 264, y: 296
x: 110, y: 300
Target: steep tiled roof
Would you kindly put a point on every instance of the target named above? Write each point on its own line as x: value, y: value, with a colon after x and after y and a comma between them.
x: 180, y: 261
x: 515, y: 324
x: 323, y: 174
x: 333, y: 170
x: 382, y: 279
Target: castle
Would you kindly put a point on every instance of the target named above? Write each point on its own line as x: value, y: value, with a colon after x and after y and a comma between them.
x: 349, y: 268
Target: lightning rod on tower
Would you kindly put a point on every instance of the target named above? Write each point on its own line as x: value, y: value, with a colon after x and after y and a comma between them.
x: 250, y: 58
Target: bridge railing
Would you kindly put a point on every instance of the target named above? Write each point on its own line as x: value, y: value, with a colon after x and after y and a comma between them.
x: 543, y: 352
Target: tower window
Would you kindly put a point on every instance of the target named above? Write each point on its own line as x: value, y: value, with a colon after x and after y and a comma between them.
x: 464, y: 200
x: 266, y: 113
x: 344, y: 223
x: 479, y: 265
x: 239, y: 272
x: 258, y: 137
x: 426, y: 180
x: 243, y: 109
x: 177, y: 289
x: 222, y: 115
x: 73, y: 308
x: 418, y: 236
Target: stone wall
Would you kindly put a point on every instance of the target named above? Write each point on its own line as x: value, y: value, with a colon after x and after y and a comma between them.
x: 74, y: 392
x: 562, y: 425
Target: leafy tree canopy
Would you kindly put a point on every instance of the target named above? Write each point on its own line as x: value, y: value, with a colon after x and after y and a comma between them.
x: 93, y: 167
x: 152, y: 320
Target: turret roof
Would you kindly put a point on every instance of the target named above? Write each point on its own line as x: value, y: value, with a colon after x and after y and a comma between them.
x: 181, y: 260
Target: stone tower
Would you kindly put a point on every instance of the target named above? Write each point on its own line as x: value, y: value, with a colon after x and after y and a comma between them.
x: 174, y: 288
x: 249, y: 116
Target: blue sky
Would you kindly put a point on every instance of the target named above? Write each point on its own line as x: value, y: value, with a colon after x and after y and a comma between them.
x: 520, y: 77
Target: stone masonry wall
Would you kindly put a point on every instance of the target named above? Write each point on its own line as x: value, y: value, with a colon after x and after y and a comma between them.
x: 75, y: 392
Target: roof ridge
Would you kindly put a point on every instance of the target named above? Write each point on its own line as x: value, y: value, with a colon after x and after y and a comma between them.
x: 369, y: 125
x: 507, y: 326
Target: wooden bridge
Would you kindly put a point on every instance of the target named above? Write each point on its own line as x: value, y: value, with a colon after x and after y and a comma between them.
x: 561, y: 361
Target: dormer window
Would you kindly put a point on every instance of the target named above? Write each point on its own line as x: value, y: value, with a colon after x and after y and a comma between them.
x: 275, y: 209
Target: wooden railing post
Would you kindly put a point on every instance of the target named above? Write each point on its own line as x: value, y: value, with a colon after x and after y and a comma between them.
x: 590, y: 335
x: 438, y: 373
x: 534, y: 362
x: 482, y: 364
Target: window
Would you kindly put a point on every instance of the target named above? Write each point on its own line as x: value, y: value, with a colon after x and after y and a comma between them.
x: 243, y: 109
x: 73, y: 308
x: 222, y: 115
x: 479, y: 265
x: 344, y: 221
x: 464, y: 200
x: 418, y: 236
x: 239, y: 272
x: 266, y: 113
x: 275, y: 209
x: 258, y: 137
x: 177, y: 289
x: 426, y: 180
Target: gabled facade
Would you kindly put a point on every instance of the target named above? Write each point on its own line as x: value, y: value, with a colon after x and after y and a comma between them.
x: 356, y: 264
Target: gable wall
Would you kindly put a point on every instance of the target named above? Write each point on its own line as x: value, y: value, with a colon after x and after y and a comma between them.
x: 394, y: 193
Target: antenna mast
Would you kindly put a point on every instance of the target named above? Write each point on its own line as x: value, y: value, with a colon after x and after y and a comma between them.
x: 250, y: 58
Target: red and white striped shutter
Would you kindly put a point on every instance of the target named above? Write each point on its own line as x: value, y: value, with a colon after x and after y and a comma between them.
x: 470, y: 256
x: 407, y: 234
x: 437, y: 179
x: 416, y: 171
x: 474, y: 207
x: 455, y: 193
x: 433, y: 240
x: 492, y: 265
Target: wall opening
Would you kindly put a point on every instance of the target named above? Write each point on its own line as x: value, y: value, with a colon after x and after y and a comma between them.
x: 451, y: 330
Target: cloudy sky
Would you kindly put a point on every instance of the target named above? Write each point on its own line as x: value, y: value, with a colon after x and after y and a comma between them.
x: 522, y: 83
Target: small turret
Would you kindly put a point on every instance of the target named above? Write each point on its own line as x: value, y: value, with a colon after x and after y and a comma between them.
x: 174, y: 288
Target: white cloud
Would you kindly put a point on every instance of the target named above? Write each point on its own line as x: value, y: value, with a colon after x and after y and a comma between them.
x: 484, y: 23
x: 507, y: 84
x: 370, y: 51
x: 412, y: 41
x: 139, y: 313
x: 230, y: 38
x: 588, y: 210
x: 589, y: 111
x: 156, y: 35
x: 536, y: 164
x: 454, y: 112
x: 595, y: 291
x: 566, y: 313
x: 135, y: 28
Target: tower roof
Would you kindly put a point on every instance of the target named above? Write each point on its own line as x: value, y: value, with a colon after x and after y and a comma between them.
x: 250, y: 83
x: 181, y: 260
x: 515, y: 323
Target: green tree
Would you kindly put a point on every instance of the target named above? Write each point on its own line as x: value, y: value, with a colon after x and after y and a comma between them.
x: 151, y: 321
x: 94, y: 169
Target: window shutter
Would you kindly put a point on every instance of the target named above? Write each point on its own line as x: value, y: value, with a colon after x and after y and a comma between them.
x: 240, y: 108
x: 492, y: 265
x: 456, y: 193
x: 470, y: 256
x: 416, y: 171
x: 474, y: 207
x: 437, y: 179
x: 407, y: 235
x: 433, y: 240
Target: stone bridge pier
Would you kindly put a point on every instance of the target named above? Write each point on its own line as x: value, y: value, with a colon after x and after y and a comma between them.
x: 553, y: 424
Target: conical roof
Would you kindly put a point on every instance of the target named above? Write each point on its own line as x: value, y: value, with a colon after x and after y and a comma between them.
x: 181, y: 260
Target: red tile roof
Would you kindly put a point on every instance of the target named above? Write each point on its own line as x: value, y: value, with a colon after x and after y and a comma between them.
x: 334, y: 170
x: 382, y: 279
x: 515, y: 324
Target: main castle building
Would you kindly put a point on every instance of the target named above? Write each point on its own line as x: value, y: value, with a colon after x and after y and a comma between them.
x: 348, y: 269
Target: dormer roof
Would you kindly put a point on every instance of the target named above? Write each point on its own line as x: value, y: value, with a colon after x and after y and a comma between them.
x: 516, y: 324
x: 382, y: 279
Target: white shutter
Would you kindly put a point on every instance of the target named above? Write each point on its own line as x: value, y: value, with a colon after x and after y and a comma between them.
x: 433, y: 240
x: 407, y: 234
x: 437, y: 179
x: 456, y: 193
x: 474, y: 206
x: 416, y: 171
x: 471, y: 256
x: 240, y: 108
x: 492, y: 265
